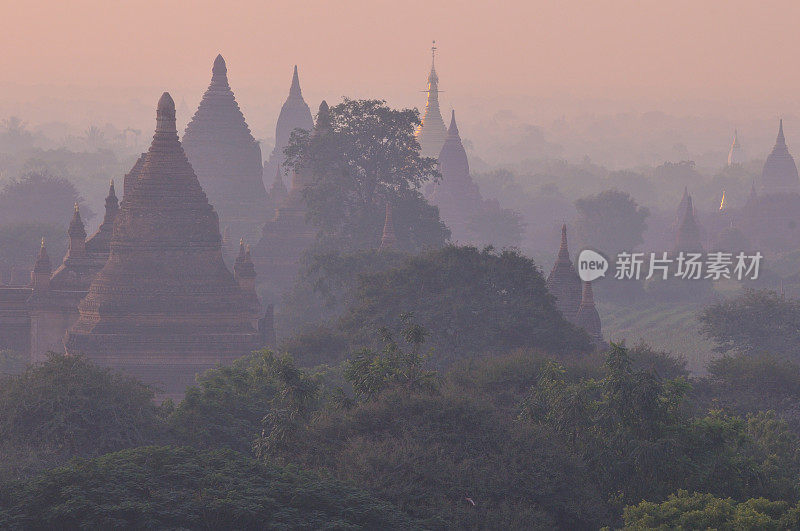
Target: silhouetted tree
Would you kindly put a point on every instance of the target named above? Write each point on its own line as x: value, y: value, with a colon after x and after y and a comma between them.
x: 610, y: 222
x: 365, y: 157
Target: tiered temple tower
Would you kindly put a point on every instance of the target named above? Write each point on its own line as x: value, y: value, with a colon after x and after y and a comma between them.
x: 563, y: 281
x: 286, y: 237
x: 587, y: 316
x: 687, y: 237
x: 431, y: 134
x: 226, y: 158
x: 53, y: 305
x: 165, y: 307
x: 295, y: 114
x: 770, y: 219
x: 780, y: 171
x: 457, y: 196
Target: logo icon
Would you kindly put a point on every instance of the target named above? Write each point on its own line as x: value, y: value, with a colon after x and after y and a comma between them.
x: 591, y: 265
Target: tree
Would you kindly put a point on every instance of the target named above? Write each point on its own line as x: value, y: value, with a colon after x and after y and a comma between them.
x: 363, y: 156
x: 67, y: 406
x: 610, y: 222
x: 473, y: 302
x: 185, y: 488
x: 683, y: 510
x: 756, y: 322
x: 40, y: 198
x: 371, y: 374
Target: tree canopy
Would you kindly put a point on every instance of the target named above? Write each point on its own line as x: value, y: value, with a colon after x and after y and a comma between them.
x: 185, y: 488
x: 610, y: 221
x: 364, y: 156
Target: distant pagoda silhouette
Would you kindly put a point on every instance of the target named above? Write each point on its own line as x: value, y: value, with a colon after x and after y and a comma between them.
x: 432, y: 133
x: 226, y: 157
x: 457, y: 195
x: 286, y: 237
x: 295, y: 114
x: 563, y: 281
x: 164, y: 306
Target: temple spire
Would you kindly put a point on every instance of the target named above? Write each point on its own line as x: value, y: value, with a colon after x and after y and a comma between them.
x: 781, y: 140
x: 77, y: 234
x: 453, y: 130
x: 388, y: 239
x: 294, y: 90
x: 563, y: 250
x: 432, y: 133
x: 587, y: 316
x: 40, y: 276
x: 219, y: 72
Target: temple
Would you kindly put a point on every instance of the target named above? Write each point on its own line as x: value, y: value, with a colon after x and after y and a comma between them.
x: 687, y: 236
x: 286, y: 237
x: 295, y: 114
x: 736, y: 153
x: 587, y: 316
x: 770, y: 218
x: 457, y: 195
x: 563, y: 281
x: 431, y: 133
x: 164, y: 307
x: 34, y: 318
x: 226, y: 158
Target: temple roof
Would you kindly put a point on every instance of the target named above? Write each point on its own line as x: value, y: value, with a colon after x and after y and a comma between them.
x: 100, y: 242
x: 165, y: 271
x: 295, y: 114
x: 563, y: 281
x: 687, y: 236
x: 780, y: 171
x: 76, y: 227
x: 587, y: 316
x: 225, y: 156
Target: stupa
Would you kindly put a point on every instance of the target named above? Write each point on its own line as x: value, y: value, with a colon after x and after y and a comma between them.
x: 226, y: 158
x: 563, y: 281
x: 165, y: 307
x: 432, y: 133
x: 286, y: 237
x: 295, y: 114
x: 587, y: 316
x: 457, y: 195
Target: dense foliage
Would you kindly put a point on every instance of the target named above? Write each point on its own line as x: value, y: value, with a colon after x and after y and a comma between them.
x: 66, y: 407
x: 705, y: 511
x: 180, y: 488
x: 363, y: 156
x: 756, y: 322
x: 610, y: 222
x: 473, y: 302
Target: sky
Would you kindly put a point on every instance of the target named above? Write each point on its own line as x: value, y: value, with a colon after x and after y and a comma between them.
x: 95, y: 59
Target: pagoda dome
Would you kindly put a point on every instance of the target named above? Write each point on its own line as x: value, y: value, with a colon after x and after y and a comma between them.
x: 780, y: 171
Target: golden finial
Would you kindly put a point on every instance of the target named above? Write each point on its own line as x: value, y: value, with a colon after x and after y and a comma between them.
x: 433, y: 52
x: 76, y: 206
x: 43, y: 242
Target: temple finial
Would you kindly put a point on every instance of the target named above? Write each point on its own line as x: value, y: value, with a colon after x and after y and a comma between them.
x: 433, y: 53
x: 781, y: 140
x: 77, y: 209
x: 165, y: 115
x: 294, y: 90
x: 219, y: 66
x: 388, y: 239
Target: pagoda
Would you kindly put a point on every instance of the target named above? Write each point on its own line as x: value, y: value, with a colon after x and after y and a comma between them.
x: 457, y: 195
x: 736, y: 153
x: 687, y: 236
x: 587, y: 316
x: 563, y: 281
x: 431, y: 133
x: 295, y: 114
x: 226, y: 158
x: 286, y: 237
x: 165, y: 307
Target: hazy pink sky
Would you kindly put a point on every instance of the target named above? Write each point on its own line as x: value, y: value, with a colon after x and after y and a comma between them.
x: 725, y: 52
x: 609, y: 48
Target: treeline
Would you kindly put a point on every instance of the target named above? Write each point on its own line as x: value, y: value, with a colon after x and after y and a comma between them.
x: 522, y: 440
